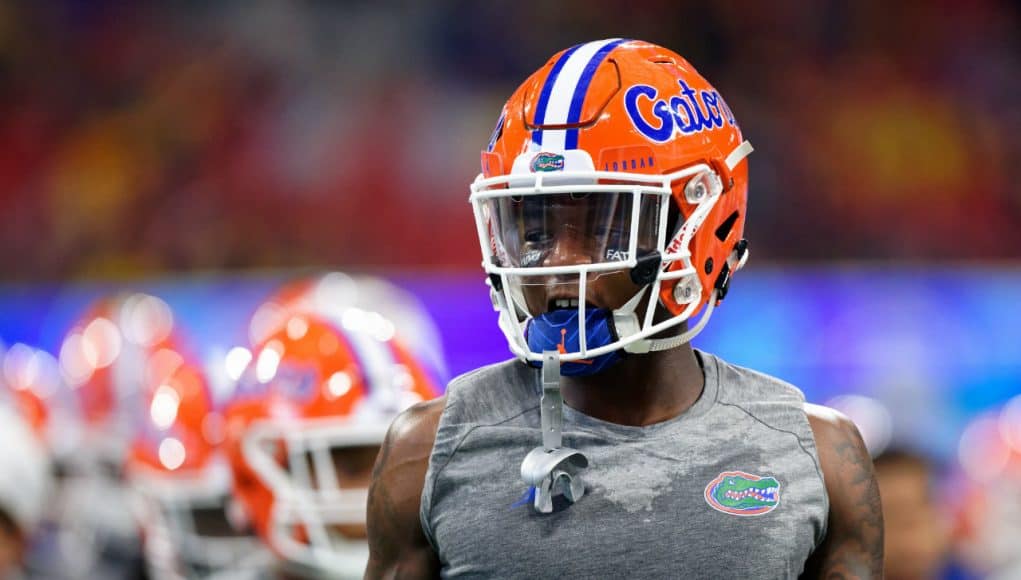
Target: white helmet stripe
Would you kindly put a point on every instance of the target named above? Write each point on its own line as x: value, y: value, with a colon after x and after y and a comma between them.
x: 377, y: 362
x: 558, y: 108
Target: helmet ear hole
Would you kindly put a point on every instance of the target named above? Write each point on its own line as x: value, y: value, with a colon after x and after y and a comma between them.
x: 727, y: 226
x: 673, y: 221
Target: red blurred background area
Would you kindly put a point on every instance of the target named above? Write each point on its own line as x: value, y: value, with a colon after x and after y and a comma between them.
x: 140, y: 138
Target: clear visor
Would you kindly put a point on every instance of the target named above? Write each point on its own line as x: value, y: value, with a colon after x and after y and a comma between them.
x: 570, y: 229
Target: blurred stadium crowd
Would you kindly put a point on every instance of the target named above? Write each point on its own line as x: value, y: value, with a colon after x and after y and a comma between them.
x: 142, y: 137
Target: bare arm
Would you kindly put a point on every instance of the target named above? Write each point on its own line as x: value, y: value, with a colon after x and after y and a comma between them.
x: 853, y: 547
x: 397, y: 545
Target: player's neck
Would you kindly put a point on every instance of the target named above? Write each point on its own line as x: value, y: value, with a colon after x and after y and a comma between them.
x: 639, y: 390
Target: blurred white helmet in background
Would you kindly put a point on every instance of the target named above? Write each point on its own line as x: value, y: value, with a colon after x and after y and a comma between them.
x: 25, y: 476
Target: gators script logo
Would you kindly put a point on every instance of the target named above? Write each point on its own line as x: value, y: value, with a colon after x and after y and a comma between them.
x: 687, y: 112
x: 743, y: 494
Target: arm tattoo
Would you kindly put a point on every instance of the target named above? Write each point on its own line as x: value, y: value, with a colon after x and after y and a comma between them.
x: 857, y: 549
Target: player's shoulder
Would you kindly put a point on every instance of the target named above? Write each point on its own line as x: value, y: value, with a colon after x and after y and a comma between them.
x: 831, y: 428
x: 507, y: 371
x: 475, y: 396
x: 743, y: 385
x: 491, y: 394
x: 408, y: 444
x: 416, y: 423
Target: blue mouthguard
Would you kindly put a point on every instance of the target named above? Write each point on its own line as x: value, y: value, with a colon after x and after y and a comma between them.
x: 558, y: 330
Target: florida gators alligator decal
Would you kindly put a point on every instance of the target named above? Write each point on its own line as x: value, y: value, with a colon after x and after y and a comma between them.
x: 743, y: 494
x: 545, y: 161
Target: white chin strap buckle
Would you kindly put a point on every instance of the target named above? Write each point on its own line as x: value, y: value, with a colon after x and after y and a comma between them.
x: 550, y: 468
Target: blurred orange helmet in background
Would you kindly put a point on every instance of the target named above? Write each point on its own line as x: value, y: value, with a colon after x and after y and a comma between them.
x: 304, y: 426
x: 179, y: 428
x: 178, y: 467
x: 358, y: 300
x: 104, y: 358
x: 30, y: 380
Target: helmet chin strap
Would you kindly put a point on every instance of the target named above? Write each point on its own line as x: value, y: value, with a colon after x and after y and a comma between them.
x: 656, y: 345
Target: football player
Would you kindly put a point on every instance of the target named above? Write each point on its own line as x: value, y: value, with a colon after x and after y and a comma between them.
x: 610, y: 211
x: 305, y: 425
x: 179, y: 470
x: 104, y: 358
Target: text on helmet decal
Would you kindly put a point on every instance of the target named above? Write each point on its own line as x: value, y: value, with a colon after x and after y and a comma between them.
x: 689, y: 112
x: 295, y: 383
x: 636, y: 163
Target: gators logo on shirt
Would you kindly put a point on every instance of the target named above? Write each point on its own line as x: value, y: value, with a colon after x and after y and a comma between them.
x: 743, y: 494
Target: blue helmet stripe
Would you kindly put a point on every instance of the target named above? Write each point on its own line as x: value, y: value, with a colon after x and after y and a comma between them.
x: 547, y: 89
x: 581, y: 89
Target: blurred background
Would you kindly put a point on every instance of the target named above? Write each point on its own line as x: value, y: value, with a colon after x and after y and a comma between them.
x: 207, y: 152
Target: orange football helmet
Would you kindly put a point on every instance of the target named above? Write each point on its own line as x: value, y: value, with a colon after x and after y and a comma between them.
x: 31, y: 378
x: 180, y: 472
x: 104, y: 358
x: 334, y: 295
x: 303, y: 429
x: 632, y: 135
x: 28, y: 378
x: 25, y: 477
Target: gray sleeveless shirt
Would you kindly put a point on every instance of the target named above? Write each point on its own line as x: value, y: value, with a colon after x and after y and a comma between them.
x: 730, y: 488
